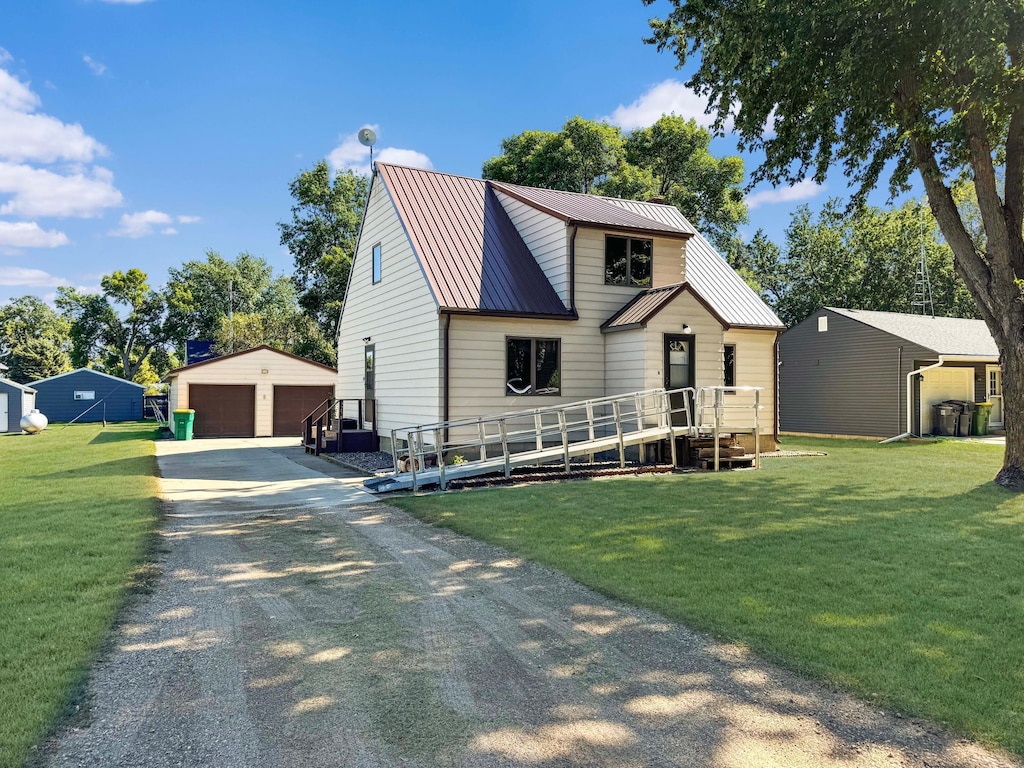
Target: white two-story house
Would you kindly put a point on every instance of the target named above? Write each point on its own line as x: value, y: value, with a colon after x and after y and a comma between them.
x: 469, y: 297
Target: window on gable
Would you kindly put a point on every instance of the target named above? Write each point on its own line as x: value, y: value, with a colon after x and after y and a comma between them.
x: 627, y: 261
x: 532, y: 367
x: 376, y: 263
x: 85, y: 394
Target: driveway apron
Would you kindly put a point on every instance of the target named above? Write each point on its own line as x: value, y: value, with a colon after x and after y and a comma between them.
x: 299, y: 622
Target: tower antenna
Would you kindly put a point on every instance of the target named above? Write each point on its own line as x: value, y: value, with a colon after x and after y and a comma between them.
x: 922, y: 280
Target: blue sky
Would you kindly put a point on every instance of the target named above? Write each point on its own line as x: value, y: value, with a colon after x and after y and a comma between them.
x: 142, y: 133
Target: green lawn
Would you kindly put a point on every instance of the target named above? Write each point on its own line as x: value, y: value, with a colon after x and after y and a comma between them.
x: 895, y: 571
x: 77, y: 514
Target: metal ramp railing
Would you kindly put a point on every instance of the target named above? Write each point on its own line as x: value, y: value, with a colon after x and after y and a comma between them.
x: 444, y: 451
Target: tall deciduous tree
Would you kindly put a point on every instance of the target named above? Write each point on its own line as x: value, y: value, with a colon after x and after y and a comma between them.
x: 34, y: 340
x: 321, y: 238
x: 669, y: 160
x: 128, y: 320
x: 935, y: 86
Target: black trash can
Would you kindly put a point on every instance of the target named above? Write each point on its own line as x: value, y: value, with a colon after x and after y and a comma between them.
x: 965, y: 415
x: 944, y: 419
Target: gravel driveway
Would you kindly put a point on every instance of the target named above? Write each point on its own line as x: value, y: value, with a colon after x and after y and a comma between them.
x: 307, y: 633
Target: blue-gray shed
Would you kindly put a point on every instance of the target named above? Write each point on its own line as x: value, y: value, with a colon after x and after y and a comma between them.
x: 88, y: 395
x: 15, y: 401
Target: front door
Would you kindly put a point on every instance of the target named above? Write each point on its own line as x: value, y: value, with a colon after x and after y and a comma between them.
x: 369, y: 384
x: 679, y: 372
x: 994, y: 375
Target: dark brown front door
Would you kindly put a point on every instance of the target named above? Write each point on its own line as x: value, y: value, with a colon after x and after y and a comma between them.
x: 679, y: 371
x: 293, y: 404
x: 223, y: 410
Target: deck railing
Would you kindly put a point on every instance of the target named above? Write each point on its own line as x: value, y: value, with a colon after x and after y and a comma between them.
x: 327, y: 422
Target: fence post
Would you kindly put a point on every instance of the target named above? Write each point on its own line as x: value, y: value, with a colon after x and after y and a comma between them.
x: 504, y: 447
x: 617, y: 412
x: 565, y: 439
x: 439, y: 451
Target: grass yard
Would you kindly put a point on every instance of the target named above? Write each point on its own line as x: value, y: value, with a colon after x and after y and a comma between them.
x: 77, y: 512
x: 894, y: 571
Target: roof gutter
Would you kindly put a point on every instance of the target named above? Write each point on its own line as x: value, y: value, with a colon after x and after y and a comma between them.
x: 910, y: 398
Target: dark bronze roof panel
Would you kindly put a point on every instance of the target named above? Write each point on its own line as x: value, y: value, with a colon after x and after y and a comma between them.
x: 642, y: 308
x: 471, y: 253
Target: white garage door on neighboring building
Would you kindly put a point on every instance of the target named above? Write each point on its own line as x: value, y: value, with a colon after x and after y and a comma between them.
x: 3, y: 411
x: 941, y: 384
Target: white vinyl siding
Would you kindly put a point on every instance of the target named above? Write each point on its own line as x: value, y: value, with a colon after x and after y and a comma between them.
x: 624, y: 362
x: 669, y: 262
x: 546, y: 237
x: 400, y: 317
x: 247, y: 369
x: 755, y: 367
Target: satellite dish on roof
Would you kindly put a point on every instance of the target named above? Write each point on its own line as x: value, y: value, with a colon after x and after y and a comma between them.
x: 367, y: 137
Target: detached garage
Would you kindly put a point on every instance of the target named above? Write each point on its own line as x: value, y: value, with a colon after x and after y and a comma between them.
x: 261, y: 392
x: 851, y: 372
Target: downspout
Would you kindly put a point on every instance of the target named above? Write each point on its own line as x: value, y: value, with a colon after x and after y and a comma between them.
x: 775, y: 383
x: 572, y: 268
x: 444, y: 373
x: 910, y: 399
x: 899, y: 373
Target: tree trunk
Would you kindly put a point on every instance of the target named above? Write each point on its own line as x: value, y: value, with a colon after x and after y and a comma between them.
x: 1011, y: 476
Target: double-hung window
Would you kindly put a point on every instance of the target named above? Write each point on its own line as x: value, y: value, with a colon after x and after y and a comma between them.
x: 627, y: 261
x: 532, y: 367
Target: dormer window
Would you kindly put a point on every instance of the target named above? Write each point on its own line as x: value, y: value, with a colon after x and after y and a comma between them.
x: 627, y: 261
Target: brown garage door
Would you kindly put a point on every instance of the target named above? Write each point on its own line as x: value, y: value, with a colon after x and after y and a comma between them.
x: 293, y: 404
x: 223, y: 410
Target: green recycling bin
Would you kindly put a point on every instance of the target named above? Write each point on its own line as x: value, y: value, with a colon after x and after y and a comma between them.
x: 184, y: 418
x: 982, y: 413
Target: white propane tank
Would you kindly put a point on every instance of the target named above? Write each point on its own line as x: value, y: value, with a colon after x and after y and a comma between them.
x: 33, y: 422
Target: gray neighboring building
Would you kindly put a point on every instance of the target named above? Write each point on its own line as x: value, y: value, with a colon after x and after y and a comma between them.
x: 15, y: 401
x: 847, y: 372
x: 88, y: 395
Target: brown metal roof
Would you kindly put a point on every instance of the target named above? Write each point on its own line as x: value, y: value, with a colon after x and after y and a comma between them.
x: 639, y: 310
x: 577, y: 208
x: 471, y: 253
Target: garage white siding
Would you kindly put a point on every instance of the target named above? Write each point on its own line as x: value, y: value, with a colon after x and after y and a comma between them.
x: 941, y: 384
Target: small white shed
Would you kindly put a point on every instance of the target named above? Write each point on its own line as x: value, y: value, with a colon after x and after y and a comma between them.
x: 15, y: 401
x: 261, y: 392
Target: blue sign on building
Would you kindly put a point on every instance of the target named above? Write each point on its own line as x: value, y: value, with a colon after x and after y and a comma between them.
x: 197, y: 351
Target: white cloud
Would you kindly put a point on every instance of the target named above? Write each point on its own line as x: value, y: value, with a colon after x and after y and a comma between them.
x: 189, y: 219
x: 140, y: 224
x: 168, y: 231
x: 802, y: 190
x: 5, y: 56
x: 665, y: 98
x: 350, y: 155
x: 33, y: 278
x: 38, y: 192
x: 97, y: 67
x: 28, y: 234
x: 28, y: 135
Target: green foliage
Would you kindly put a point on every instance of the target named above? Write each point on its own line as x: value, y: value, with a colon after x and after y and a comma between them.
x: 670, y: 160
x: 34, y: 340
x: 199, y: 293
x: 893, y: 571
x: 121, y: 326
x: 861, y: 259
x: 321, y: 238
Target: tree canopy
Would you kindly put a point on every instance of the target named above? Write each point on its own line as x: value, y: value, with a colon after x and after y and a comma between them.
x: 876, y: 87
x: 321, y: 238
x: 34, y: 340
x: 669, y: 160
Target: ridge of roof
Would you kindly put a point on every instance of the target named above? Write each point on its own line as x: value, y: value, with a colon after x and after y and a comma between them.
x: 22, y: 387
x: 944, y: 335
x: 176, y: 371
x: 89, y: 370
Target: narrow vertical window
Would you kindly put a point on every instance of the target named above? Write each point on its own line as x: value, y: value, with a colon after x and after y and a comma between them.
x: 376, y: 263
x: 729, y: 365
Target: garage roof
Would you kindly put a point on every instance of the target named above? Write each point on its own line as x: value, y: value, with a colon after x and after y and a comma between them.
x: 268, y: 348
x: 943, y: 335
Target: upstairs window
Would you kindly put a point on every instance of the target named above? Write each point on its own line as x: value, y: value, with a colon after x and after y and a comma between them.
x: 532, y: 367
x: 376, y: 263
x: 627, y: 261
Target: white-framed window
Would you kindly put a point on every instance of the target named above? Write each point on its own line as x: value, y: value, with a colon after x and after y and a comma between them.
x: 376, y: 263
x: 85, y: 394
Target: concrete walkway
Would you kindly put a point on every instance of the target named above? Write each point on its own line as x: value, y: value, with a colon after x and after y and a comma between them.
x: 204, y: 478
x: 293, y: 626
